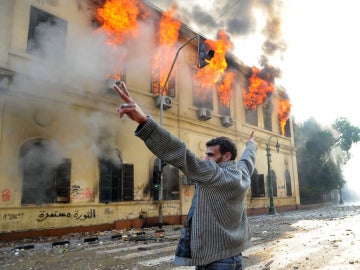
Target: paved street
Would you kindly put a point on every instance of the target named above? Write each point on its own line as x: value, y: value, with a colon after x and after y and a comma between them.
x: 323, y: 238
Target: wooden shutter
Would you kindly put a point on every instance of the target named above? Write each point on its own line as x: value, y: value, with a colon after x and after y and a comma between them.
x: 257, y: 185
x: 128, y: 182
x: 106, y: 181
x: 261, y: 185
x: 62, y: 181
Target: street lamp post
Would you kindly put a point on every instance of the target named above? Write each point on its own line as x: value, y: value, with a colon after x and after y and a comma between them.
x: 161, y: 94
x: 272, y: 210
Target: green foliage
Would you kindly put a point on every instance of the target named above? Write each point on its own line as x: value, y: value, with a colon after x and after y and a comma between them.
x: 348, y: 135
x: 319, y: 164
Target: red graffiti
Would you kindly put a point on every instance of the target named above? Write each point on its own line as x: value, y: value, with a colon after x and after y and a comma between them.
x: 80, y: 194
x: 86, y: 193
x: 186, y: 193
x: 5, y: 195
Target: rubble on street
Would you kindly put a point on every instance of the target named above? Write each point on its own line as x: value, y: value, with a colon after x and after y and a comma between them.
x: 326, y: 237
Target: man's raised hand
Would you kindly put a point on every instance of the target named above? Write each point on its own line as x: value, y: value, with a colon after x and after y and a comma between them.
x: 130, y: 108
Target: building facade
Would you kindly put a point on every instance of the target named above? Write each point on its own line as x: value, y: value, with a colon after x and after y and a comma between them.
x: 68, y: 163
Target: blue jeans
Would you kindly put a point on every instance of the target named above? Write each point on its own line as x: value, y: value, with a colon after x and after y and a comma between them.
x: 231, y: 263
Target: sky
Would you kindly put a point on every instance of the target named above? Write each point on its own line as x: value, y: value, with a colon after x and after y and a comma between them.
x: 312, y: 43
x: 320, y: 65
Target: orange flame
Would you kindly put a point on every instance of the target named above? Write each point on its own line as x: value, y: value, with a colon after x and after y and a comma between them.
x: 169, y: 34
x: 115, y: 76
x: 284, y: 107
x: 258, y: 90
x: 224, y: 89
x: 212, y: 73
x: 119, y: 19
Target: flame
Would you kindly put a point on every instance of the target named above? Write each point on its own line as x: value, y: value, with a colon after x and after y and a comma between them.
x: 119, y: 19
x: 224, y: 89
x: 169, y: 27
x: 212, y: 73
x: 284, y: 107
x: 258, y: 90
x: 168, y: 37
x: 114, y: 76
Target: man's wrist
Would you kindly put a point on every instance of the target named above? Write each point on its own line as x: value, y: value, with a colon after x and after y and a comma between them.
x: 143, y: 120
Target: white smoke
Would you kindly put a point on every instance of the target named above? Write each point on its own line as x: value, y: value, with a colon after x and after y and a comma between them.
x: 47, y: 154
x: 102, y: 137
x: 72, y: 57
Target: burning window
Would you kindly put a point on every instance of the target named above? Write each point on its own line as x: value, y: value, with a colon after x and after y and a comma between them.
x: 162, y: 81
x: 116, y: 182
x: 205, y: 100
x: 287, y: 131
x: 251, y: 117
x: 119, y: 19
x: 257, y: 185
x: 267, y: 114
x: 214, y: 75
x: 202, y: 96
x: 156, y: 87
x: 259, y: 88
x: 113, y: 78
x: 224, y: 90
x: 283, y: 106
x: 46, y: 175
x: 47, y: 34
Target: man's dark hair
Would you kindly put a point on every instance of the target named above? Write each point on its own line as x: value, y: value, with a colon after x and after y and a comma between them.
x: 225, y: 145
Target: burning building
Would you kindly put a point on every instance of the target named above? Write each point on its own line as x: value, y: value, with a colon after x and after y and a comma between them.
x: 69, y: 164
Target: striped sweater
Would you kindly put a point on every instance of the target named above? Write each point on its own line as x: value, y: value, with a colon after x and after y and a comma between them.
x: 219, y: 227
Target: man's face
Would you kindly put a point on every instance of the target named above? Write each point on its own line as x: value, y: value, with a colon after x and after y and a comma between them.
x: 213, y: 153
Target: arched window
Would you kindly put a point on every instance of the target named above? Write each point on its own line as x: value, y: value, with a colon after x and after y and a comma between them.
x: 46, y: 174
x: 273, y: 181
x: 267, y: 114
x: 288, y: 183
x: 257, y: 185
x: 251, y: 116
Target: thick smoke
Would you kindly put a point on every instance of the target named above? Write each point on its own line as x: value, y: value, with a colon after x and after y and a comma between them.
x: 65, y: 57
x: 239, y: 20
x: 89, y: 58
x: 46, y: 153
x: 103, y: 138
x: 70, y: 56
x: 201, y: 17
x: 38, y: 161
x: 237, y: 17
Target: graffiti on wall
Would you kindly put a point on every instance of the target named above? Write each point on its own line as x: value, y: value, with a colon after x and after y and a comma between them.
x: 75, y: 215
x: 13, y: 216
x: 5, y: 195
x: 109, y: 211
x: 138, y: 192
x: 187, y: 194
x: 77, y: 193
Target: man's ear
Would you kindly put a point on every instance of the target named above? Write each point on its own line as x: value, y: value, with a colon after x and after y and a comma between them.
x: 227, y: 156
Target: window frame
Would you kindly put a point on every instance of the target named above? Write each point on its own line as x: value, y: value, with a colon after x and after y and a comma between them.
x: 257, y: 185
x: 52, y: 187
x: 116, y: 183
x: 38, y: 16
